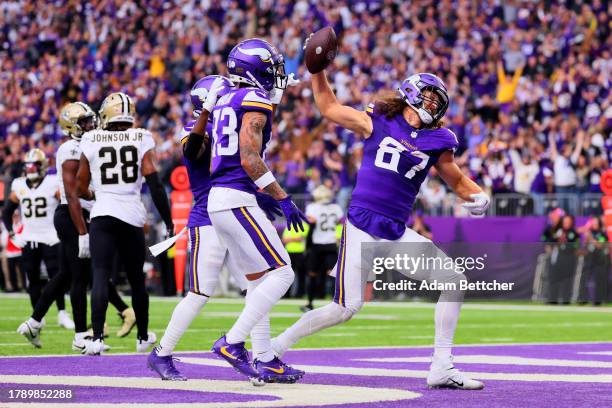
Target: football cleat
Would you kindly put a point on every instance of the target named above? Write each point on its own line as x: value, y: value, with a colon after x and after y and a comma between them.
x: 94, y: 347
x: 236, y: 355
x: 164, y: 366
x: 79, y: 343
x: 31, y: 331
x: 129, y: 320
x: 275, y: 371
x: 64, y: 320
x: 445, y: 375
x: 142, y: 346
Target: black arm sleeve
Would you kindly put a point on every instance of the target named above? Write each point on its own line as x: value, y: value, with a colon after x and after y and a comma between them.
x: 160, y: 198
x: 7, y: 214
x: 193, y: 145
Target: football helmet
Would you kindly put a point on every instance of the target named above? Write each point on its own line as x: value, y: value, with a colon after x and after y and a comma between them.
x: 257, y: 63
x: 36, y: 164
x: 322, y: 194
x: 411, y: 90
x: 117, y: 108
x: 200, y: 91
x: 74, y: 119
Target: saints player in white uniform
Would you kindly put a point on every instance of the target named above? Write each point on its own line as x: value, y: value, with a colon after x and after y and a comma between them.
x: 115, y: 159
x: 36, y: 195
x: 324, y: 216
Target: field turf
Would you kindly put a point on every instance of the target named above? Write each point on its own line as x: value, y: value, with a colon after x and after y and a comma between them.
x: 378, y: 324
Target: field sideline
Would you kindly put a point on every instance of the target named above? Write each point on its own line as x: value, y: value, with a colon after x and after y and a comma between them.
x: 377, y: 325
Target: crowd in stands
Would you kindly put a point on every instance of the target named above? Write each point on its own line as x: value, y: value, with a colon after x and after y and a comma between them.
x: 529, y: 81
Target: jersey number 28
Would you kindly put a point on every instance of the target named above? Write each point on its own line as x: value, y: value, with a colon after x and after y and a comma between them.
x: 128, y: 156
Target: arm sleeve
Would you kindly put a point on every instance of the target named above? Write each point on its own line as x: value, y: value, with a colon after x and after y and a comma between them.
x: 160, y: 198
x: 192, y: 145
x: 7, y: 214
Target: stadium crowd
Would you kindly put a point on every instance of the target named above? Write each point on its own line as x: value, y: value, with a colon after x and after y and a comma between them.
x: 529, y: 81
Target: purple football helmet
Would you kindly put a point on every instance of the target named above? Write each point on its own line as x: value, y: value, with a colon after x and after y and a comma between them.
x: 257, y: 63
x: 200, y: 91
x: 411, y: 91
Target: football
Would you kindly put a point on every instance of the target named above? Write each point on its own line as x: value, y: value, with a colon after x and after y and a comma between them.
x: 320, y: 50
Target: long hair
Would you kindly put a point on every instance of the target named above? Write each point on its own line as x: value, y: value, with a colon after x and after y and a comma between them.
x: 390, y: 105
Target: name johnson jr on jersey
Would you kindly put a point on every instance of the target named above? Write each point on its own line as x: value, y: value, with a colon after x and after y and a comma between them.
x: 117, y: 137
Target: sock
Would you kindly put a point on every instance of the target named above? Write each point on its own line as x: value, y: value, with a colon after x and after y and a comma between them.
x: 310, y: 323
x: 446, y: 318
x: 184, y: 313
x: 259, y: 303
x: 33, y: 322
x: 260, y: 335
x: 80, y: 335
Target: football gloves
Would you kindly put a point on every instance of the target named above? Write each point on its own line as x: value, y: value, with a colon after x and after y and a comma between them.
x: 294, y: 216
x: 478, y: 207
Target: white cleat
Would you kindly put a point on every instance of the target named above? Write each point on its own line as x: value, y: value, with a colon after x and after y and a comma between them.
x: 64, y: 320
x: 93, y: 348
x: 445, y: 375
x: 143, y: 346
x: 31, y: 331
x: 79, y: 343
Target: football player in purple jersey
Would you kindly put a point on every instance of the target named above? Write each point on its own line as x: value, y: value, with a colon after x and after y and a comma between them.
x: 403, y: 138
x: 241, y: 130
x: 208, y: 254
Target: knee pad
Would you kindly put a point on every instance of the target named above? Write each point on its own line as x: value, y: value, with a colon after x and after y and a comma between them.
x: 350, y: 309
x: 283, y: 274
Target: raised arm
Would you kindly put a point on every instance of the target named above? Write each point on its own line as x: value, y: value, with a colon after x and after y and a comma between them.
x: 345, y: 116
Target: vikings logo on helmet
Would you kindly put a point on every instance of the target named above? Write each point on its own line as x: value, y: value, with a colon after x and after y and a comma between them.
x: 36, y: 164
x: 412, y: 92
x: 257, y: 63
x: 202, y: 87
x: 72, y: 119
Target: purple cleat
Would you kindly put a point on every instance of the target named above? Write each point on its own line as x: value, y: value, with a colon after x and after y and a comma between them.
x: 275, y: 371
x: 164, y: 366
x: 237, y: 355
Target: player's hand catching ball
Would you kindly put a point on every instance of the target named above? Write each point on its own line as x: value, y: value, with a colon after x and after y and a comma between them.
x: 320, y: 49
x: 478, y: 207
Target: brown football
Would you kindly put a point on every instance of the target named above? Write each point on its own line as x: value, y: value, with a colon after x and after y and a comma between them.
x: 320, y: 50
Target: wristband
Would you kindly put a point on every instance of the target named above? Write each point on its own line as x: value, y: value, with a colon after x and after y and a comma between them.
x: 265, y: 180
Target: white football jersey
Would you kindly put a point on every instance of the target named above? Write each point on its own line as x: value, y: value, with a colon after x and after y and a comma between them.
x: 327, y: 216
x: 37, y: 206
x: 69, y: 150
x: 115, y: 159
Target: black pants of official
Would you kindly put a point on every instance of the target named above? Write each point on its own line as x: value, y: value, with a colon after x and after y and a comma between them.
x: 321, y: 258
x: 31, y: 256
x: 109, y: 236
x: 73, y: 272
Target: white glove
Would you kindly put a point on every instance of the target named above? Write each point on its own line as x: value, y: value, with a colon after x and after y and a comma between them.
x: 211, y: 99
x: 84, y: 246
x: 479, y: 206
x: 18, y: 241
x: 276, y: 94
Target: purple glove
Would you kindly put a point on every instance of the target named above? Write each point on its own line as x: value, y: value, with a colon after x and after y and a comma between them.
x: 293, y: 214
x: 269, y: 205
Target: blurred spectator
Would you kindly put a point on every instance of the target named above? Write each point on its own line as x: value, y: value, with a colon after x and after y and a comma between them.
x: 596, y: 265
x: 563, y: 261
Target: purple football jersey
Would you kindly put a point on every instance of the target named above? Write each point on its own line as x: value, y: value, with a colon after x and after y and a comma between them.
x: 199, y: 181
x: 396, y: 159
x: 227, y: 120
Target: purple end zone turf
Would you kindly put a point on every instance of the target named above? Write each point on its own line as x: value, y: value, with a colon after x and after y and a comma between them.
x: 497, y: 393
